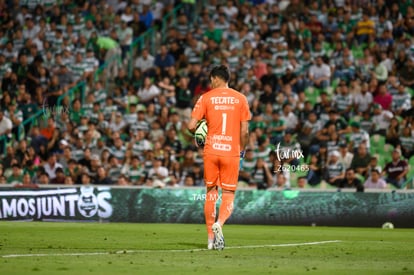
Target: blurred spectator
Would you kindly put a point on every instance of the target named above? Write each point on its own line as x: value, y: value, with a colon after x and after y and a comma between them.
x: 407, y: 73
x: 375, y: 181
x: 358, y: 136
x: 149, y: 91
x: 361, y: 51
x: 163, y: 60
x: 393, y: 132
x: 381, y: 119
x: 343, y: 101
x: 125, y: 35
x: 373, y: 165
x: 157, y: 171
x: 320, y: 74
x: 316, y: 165
x: 16, y: 176
x: 406, y: 141
x: 51, y: 166
x: 122, y: 181
x: 335, y: 170
x: 383, y: 97
x: 351, y: 181
x: 361, y: 160
x: 363, y: 100
x: 261, y: 176
x: 183, y: 99
x: 345, y: 156
x: 59, y: 178
x: 400, y: 101
x: 16, y: 117
x: 6, y: 125
x: 145, y: 62
x: 101, y: 177
x: 396, y: 170
x: 43, y: 178
x: 289, y: 117
x: 85, y: 179
x: 114, y: 169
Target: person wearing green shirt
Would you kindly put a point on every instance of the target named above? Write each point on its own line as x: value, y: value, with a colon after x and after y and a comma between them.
x: 112, y: 53
x: 213, y: 33
x: 77, y: 112
x: 276, y: 127
x: 16, y: 176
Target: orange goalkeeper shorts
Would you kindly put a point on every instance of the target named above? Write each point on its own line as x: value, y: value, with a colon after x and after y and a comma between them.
x: 221, y: 171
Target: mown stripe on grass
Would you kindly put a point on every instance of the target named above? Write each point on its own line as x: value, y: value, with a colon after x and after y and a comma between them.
x: 163, y: 250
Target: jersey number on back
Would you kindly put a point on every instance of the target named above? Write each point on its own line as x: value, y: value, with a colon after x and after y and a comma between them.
x: 224, y: 124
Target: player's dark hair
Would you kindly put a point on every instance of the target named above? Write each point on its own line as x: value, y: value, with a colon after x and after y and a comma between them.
x: 222, y: 72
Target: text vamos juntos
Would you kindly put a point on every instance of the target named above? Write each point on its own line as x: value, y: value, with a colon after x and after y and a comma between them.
x: 72, y: 203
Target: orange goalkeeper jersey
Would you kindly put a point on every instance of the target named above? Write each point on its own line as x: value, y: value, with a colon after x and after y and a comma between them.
x: 223, y: 109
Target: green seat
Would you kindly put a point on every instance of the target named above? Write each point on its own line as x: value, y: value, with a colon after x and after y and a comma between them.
x: 410, y: 176
x: 386, y: 151
x: 312, y: 94
x: 377, y: 143
x: 358, y: 52
x: 410, y: 167
x: 381, y: 160
x: 410, y: 91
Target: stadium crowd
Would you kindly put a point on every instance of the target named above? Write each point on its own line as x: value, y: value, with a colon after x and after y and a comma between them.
x: 330, y: 85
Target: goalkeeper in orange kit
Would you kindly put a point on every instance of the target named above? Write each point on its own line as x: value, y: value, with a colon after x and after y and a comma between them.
x: 227, y: 114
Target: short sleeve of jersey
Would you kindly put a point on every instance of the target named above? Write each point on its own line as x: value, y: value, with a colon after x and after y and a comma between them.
x: 199, y: 109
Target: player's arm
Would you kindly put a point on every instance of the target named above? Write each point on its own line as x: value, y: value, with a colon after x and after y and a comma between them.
x: 192, y: 125
x: 244, y: 134
x: 198, y: 111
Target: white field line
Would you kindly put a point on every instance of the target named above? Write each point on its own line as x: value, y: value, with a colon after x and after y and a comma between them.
x: 163, y: 250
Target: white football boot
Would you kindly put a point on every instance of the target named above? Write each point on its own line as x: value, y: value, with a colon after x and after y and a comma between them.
x: 218, y: 237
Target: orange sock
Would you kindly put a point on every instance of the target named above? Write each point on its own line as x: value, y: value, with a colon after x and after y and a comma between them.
x: 210, y: 211
x: 226, y: 207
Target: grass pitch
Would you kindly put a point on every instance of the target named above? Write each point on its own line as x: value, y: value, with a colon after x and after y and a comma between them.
x: 94, y: 248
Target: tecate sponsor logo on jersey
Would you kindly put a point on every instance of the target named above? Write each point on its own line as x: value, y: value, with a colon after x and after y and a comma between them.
x: 222, y: 147
x: 224, y: 100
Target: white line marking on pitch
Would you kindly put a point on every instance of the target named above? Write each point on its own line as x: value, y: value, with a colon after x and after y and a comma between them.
x: 165, y: 250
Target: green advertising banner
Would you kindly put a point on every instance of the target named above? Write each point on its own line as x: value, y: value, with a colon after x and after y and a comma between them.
x: 289, y: 207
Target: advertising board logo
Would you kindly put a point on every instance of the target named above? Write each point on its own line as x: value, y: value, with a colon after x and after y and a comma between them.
x: 87, y: 202
x: 66, y: 203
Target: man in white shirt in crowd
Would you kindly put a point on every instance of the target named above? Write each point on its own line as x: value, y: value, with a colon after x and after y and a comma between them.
x: 345, y: 156
x: 320, y: 73
x: 51, y: 165
x: 145, y: 62
x: 363, y: 100
x: 5, y: 125
x: 381, y: 119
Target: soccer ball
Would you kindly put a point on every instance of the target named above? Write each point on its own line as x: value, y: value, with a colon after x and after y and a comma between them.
x: 387, y: 225
x: 201, y: 132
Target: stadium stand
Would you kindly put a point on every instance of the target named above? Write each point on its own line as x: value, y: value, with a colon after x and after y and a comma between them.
x: 119, y: 78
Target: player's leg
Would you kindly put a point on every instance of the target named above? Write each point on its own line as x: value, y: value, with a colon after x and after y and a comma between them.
x: 211, y: 180
x: 210, y: 213
x: 229, y: 173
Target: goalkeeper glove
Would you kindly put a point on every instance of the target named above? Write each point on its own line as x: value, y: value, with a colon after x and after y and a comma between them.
x: 241, y: 159
x: 242, y: 153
